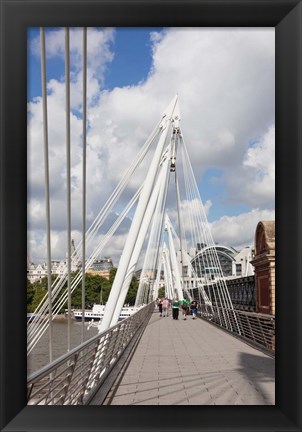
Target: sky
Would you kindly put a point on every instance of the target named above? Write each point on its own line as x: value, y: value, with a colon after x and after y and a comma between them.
x: 225, y: 82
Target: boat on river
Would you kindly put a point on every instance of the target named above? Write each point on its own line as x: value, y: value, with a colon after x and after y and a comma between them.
x: 97, y: 312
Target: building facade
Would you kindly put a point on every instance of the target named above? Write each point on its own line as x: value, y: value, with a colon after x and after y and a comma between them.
x: 264, y: 263
x: 36, y: 272
x: 232, y: 263
x: 101, y: 267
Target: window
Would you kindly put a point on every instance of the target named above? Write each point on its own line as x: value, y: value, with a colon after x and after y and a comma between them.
x: 238, y: 269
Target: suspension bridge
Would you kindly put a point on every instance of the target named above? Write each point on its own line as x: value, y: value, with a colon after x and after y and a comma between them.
x: 224, y: 357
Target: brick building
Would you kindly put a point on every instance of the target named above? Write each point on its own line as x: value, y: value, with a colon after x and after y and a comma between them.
x: 264, y: 263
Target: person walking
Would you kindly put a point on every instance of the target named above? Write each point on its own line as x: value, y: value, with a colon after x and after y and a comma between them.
x: 165, y: 305
x: 185, y: 308
x: 193, y: 307
x: 175, y: 308
x: 160, y: 307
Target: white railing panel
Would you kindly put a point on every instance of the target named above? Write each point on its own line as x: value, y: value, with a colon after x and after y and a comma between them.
x: 72, y: 378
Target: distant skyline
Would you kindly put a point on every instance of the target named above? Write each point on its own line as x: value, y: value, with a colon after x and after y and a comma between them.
x: 225, y: 81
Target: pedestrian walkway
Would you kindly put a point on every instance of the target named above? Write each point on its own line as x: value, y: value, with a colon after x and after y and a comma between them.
x: 192, y: 362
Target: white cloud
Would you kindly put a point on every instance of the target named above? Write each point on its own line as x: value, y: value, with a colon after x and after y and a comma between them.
x: 225, y: 82
x: 239, y: 231
x: 98, y: 46
x: 258, y: 173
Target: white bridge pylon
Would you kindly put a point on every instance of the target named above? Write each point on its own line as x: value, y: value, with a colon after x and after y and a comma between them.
x: 152, y: 222
x: 158, y: 170
x: 152, y: 227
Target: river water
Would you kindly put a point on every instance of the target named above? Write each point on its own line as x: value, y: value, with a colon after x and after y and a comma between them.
x: 39, y: 356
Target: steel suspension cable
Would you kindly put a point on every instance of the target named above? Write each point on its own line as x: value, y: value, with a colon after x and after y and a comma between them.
x: 160, y: 233
x: 190, y: 201
x: 154, y: 200
x: 46, y: 172
x: 60, y: 280
x: 154, y: 237
x: 84, y: 177
x: 68, y: 179
x: 225, y: 301
x: 180, y: 231
x: 201, y: 227
x: 39, y: 331
x: 194, y: 223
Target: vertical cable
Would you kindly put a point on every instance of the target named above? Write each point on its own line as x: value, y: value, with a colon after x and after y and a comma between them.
x: 46, y: 169
x: 67, y: 82
x: 179, y: 230
x: 84, y: 175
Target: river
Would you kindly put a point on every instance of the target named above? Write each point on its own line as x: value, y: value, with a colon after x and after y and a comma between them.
x: 39, y: 356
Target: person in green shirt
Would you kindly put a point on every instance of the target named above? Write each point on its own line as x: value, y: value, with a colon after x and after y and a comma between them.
x: 175, y: 308
x: 185, y: 308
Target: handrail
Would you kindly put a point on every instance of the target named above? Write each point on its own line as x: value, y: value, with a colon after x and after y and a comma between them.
x: 258, y: 328
x: 74, y: 378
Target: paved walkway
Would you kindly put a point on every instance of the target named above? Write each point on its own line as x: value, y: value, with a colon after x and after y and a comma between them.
x: 194, y: 363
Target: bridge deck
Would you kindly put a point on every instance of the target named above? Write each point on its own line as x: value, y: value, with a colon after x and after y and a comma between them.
x: 194, y: 363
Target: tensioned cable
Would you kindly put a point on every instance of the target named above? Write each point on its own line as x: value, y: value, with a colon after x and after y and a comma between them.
x: 60, y: 302
x: 180, y: 230
x: 154, y: 236
x: 60, y: 280
x: 84, y: 177
x: 158, y: 274
x: 36, y: 335
x: 155, y: 196
x: 34, y: 325
x: 68, y: 180
x: 195, y: 224
x: 190, y: 198
x: 200, y: 226
x: 160, y: 232
x: 188, y: 213
x: 46, y: 170
x: 168, y: 274
x: 225, y: 300
x: 151, y: 256
x: 123, y: 183
x: 188, y: 262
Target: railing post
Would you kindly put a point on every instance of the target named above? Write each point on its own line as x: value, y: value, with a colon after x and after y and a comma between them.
x: 69, y: 377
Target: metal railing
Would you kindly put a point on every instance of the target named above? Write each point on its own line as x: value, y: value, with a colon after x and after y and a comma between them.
x: 258, y: 328
x: 74, y: 378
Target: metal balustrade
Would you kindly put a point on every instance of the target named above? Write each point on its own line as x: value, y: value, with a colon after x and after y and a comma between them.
x: 74, y: 378
x: 255, y: 327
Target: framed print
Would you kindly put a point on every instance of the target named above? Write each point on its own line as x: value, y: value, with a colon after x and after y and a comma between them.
x: 285, y: 16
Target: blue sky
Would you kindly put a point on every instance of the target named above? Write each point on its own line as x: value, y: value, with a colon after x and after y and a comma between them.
x: 225, y: 82
x: 131, y: 64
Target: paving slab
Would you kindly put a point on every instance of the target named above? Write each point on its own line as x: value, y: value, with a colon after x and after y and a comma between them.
x: 192, y: 362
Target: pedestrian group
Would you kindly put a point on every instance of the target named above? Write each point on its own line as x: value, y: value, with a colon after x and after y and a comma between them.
x: 187, y: 307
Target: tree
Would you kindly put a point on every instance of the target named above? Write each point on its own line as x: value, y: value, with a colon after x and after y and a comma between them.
x: 161, y: 292
x: 112, y: 274
x: 36, y: 291
x: 133, y: 287
x: 132, y: 291
x: 97, y: 290
x: 30, y: 293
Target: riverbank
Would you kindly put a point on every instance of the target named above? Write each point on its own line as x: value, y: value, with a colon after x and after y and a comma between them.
x: 58, y: 317
x: 62, y: 317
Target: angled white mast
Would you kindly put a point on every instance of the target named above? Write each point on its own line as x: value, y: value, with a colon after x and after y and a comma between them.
x: 170, y: 115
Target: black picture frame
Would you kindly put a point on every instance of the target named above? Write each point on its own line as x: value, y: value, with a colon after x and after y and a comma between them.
x: 16, y: 17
